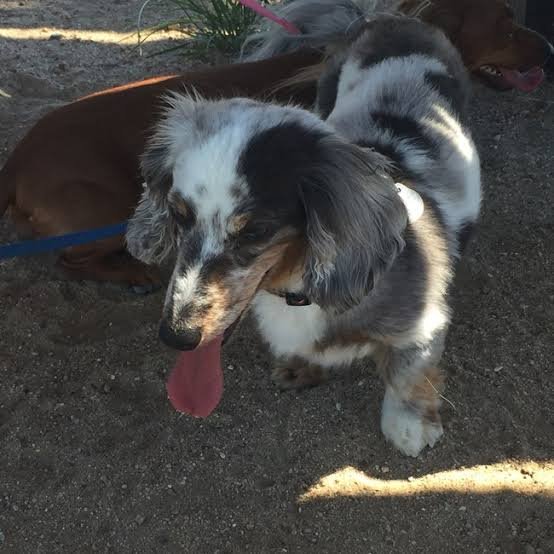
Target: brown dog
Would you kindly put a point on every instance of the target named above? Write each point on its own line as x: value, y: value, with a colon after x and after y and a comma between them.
x: 78, y: 167
x: 493, y: 46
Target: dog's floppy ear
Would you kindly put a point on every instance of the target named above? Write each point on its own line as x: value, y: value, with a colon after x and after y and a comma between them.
x: 354, y: 224
x: 152, y: 233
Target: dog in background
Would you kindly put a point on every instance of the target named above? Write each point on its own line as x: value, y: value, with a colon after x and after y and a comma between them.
x: 78, y: 167
x: 304, y: 221
x: 494, y: 47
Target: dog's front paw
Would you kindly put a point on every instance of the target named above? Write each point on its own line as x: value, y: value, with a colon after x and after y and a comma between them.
x: 409, y: 430
x: 290, y: 377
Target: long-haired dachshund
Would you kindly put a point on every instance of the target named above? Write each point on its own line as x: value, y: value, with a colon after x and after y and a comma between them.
x: 342, y: 236
x: 78, y: 168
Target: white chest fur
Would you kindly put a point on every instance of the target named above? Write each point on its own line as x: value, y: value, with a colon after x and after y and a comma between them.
x: 293, y: 331
x: 290, y: 330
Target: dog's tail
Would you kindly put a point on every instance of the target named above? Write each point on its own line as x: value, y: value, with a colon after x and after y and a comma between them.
x: 323, y: 24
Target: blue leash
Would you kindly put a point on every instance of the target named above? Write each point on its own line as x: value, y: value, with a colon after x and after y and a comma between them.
x: 36, y: 246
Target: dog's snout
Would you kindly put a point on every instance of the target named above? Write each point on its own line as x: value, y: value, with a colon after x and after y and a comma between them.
x: 185, y: 339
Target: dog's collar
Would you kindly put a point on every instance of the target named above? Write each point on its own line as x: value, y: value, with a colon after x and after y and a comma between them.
x: 414, y: 206
x: 292, y: 298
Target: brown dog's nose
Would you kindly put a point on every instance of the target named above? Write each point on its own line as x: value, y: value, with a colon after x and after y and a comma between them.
x: 185, y: 339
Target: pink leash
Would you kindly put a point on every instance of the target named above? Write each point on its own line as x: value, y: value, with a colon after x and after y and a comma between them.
x: 264, y: 12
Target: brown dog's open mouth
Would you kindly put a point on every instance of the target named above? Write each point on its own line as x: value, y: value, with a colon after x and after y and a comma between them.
x: 195, y: 385
x: 504, y: 78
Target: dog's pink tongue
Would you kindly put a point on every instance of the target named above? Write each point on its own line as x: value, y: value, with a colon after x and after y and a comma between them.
x: 195, y: 385
x: 526, y: 82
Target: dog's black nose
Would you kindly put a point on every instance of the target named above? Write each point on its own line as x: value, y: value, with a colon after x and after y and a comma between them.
x: 185, y: 339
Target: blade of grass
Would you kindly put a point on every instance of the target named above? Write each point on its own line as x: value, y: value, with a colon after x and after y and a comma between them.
x: 221, y: 25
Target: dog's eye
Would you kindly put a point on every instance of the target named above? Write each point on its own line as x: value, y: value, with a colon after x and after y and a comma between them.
x: 252, y: 234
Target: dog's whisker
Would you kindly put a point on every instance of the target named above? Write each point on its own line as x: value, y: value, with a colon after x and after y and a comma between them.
x: 440, y: 395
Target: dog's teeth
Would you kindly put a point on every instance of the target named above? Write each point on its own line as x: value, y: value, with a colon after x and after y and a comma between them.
x: 490, y: 70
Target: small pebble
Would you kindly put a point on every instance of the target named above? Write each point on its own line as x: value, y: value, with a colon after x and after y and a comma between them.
x: 385, y: 469
x: 55, y: 36
x: 140, y: 519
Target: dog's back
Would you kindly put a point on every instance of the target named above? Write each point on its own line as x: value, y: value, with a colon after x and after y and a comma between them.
x: 400, y: 86
x: 403, y: 90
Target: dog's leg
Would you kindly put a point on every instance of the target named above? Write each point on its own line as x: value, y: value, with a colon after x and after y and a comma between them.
x: 410, y: 417
x: 118, y: 267
x: 296, y: 374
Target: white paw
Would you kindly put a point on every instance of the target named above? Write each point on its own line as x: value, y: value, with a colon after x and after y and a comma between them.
x: 407, y: 429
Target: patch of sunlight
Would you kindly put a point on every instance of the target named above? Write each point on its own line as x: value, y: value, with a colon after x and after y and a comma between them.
x: 451, y: 130
x: 100, y: 36
x: 527, y: 478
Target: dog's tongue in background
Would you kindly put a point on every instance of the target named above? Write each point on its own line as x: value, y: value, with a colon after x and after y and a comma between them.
x: 526, y: 82
x: 195, y: 385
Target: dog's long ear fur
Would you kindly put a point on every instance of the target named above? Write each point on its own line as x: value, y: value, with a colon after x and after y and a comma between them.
x: 152, y: 233
x: 355, y: 220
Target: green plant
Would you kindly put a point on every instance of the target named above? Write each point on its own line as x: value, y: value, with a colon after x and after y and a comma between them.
x: 208, y: 26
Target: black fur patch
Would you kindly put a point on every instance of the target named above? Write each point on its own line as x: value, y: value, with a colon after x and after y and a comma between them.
x: 274, y: 163
x: 406, y: 128
x: 449, y: 89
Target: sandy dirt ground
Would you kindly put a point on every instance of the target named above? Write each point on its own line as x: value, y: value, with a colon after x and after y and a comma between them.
x: 93, y: 458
